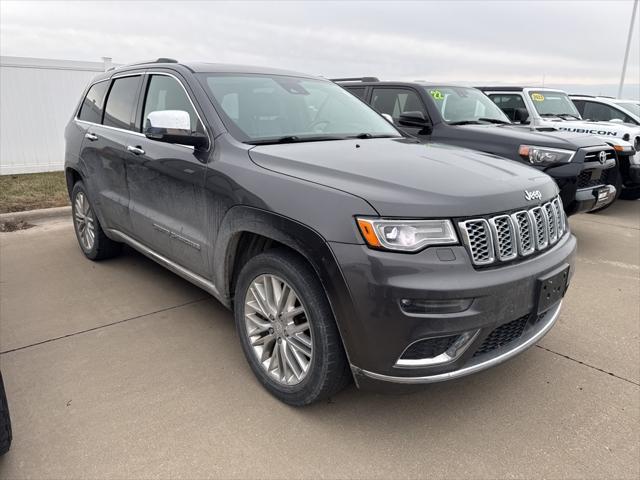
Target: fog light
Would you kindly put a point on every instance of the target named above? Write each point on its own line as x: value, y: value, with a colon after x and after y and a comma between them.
x: 421, y: 306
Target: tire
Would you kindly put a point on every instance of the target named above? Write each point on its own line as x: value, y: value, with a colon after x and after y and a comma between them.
x: 616, y: 183
x: 5, y: 421
x: 91, y: 238
x: 630, y: 193
x: 327, y: 369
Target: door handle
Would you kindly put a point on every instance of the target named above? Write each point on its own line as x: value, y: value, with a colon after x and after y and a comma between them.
x: 135, y: 150
x: 91, y: 136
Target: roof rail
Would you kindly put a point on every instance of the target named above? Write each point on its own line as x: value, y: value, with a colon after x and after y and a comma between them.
x: 356, y: 79
x: 157, y: 60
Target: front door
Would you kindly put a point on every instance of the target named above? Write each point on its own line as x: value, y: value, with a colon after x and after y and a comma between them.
x: 166, y: 182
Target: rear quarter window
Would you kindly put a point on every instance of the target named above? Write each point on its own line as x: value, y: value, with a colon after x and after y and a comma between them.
x: 91, y: 108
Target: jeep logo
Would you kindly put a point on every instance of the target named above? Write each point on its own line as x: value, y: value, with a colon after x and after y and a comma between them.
x: 532, y: 195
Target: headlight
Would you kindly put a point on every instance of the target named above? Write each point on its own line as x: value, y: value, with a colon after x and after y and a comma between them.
x: 544, y: 155
x: 406, y: 235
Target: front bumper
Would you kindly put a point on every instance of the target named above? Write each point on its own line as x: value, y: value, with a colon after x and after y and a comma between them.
x: 380, y: 331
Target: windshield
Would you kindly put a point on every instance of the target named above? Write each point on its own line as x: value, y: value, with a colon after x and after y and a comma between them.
x: 631, y: 107
x: 465, y: 105
x: 554, y: 104
x: 258, y: 108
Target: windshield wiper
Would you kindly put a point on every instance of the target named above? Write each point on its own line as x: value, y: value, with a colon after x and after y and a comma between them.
x: 293, y: 139
x: 466, y: 122
x: 373, y: 135
x: 494, y: 120
x: 559, y: 115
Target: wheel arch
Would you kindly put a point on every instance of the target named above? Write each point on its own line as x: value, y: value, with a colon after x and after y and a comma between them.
x: 242, y: 222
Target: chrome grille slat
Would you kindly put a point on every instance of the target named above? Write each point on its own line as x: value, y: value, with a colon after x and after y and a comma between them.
x: 478, y: 239
x: 505, y: 237
x: 552, y: 224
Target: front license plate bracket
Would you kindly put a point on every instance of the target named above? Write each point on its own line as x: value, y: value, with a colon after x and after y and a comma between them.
x: 551, y: 289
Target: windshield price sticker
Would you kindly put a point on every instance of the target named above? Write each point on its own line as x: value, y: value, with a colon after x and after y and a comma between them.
x: 537, y: 97
x: 437, y: 94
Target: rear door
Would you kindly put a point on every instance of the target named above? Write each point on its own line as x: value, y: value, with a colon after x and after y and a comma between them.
x: 166, y: 181
x: 104, y: 151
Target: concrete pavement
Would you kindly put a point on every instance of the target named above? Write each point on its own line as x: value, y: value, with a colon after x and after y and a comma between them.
x: 122, y: 369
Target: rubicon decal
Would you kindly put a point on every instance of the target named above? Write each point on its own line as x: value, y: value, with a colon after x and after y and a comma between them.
x: 586, y: 130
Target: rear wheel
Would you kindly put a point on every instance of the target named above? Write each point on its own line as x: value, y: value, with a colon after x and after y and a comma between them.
x: 91, y: 238
x: 287, y: 330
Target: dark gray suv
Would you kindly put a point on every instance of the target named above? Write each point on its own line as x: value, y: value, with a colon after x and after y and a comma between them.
x: 345, y: 249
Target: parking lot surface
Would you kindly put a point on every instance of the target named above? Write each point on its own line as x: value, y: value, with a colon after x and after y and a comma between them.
x: 122, y: 369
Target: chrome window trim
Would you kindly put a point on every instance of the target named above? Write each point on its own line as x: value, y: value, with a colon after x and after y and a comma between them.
x: 134, y: 74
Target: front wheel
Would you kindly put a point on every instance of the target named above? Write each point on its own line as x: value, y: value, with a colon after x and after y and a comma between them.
x: 287, y: 330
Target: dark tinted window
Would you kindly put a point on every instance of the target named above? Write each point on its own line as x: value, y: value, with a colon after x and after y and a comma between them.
x: 357, y: 91
x: 510, y: 103
x: 395, y: 101
x: 603, y: 113
x: 165, y: 93
x: 121, y: 102
x: 91, y: 109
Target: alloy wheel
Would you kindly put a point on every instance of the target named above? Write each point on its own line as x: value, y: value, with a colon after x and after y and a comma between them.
x: 278, y: 329
x: 85, y: 221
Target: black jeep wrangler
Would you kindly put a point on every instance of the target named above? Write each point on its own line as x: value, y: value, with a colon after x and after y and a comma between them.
x: 465, y: 117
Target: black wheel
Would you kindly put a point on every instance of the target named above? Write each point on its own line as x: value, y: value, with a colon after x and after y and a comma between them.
x: 617, y: 182
x: 91, y: 238
x: 5, y: 421
x: 287, y: 330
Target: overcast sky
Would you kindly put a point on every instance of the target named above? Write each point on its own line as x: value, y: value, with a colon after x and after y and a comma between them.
x: 578, y: 43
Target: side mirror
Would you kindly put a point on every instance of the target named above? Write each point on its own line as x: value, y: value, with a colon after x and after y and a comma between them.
x: 413, y: 119
x: 387, y: 117
x: 173, y: 126
x: 521, y: 115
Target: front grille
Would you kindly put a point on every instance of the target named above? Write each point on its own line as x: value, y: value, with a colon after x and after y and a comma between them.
x: 429, y: 348
x: 505, y: 237
x: 503, y: 335
x: 595, y: 156
x: 587, y: 179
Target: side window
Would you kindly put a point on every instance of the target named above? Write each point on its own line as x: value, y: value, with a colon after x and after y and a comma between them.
x: 603, y: 113
x: 91, y: 109
x: 121, y: 102
x: 580, y: 106
x: 165, y: 93
x: 357, y: 91
x: 395, y: 101
x: 509, y: 103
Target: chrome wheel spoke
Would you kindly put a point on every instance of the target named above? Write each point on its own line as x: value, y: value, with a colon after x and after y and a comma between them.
x: 84, y: 221
x: 283, y: 348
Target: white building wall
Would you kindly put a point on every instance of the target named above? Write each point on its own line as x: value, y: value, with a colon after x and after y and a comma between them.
x: 37, y: 99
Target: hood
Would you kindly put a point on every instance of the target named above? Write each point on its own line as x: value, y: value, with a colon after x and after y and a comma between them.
x: 522, y: 134
x: 405, y: 178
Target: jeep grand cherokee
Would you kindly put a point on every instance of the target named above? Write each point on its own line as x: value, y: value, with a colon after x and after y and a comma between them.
x: 344, y: 249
